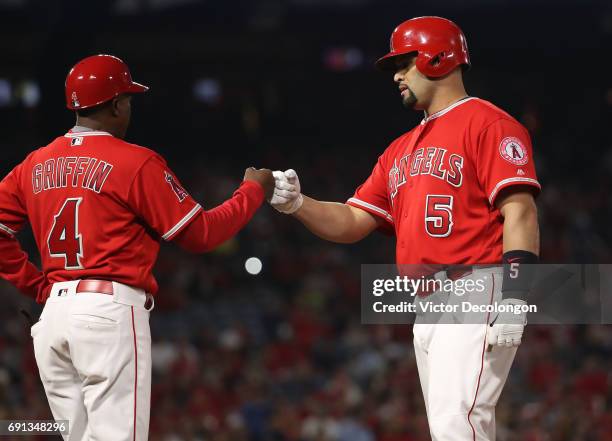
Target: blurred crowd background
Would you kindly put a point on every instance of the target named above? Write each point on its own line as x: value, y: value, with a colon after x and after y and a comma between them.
x: 282, y: 356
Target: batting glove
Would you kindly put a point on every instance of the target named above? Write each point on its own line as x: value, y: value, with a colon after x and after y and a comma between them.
x: 506, y: 329
x: 287, y: 197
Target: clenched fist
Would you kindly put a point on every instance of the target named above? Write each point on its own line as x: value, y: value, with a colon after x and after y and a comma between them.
x: 263, y: 177
x: 287, y: 196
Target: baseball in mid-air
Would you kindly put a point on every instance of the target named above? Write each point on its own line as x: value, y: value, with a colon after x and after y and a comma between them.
x: 253, y: 265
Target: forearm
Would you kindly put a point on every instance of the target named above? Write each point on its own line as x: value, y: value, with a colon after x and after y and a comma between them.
x: 215, y: 226
x: 18, y: 270
x: 521, y: 230
x: 335, y: 222
x: 521, y: 244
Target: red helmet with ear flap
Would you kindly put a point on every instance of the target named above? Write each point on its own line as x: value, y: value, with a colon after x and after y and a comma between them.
x: 439, y: 44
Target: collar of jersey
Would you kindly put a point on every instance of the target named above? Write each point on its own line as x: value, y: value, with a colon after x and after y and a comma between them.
x: 439, y: 113
x: 78, y: 131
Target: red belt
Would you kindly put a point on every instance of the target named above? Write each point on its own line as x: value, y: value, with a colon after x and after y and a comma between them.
x: 99, y: 286
x: 104, y: 287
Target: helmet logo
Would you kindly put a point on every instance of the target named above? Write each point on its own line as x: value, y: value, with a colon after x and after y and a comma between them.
x: 513, y: 151
x: 75, y: 100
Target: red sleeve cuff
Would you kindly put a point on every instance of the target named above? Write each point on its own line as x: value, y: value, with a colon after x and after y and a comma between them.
x: 8, y: 231
x: 172, y: 232
x: 387, y: 227
x: 504, y: 183
x: 371, y: 208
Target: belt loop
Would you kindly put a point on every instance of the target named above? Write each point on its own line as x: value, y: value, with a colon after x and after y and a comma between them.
x: 151, y: 300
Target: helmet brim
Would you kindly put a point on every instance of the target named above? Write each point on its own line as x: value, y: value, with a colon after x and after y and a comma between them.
x: 137, y: 88
x: 387, y: 63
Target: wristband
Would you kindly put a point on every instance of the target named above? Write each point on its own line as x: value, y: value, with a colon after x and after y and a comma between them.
x: 519, y: 269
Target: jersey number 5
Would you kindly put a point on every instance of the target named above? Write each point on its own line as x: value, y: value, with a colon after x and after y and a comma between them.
x: 64, y: 239
x: 439, y: 215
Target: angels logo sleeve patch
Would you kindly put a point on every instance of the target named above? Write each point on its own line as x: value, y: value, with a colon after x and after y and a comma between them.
x: 159, y: 198
x: 513, y: 151
x: 504, y: 158
x: 180, y: 192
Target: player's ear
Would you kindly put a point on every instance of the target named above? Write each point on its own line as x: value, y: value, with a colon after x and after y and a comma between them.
x: 121, y: 105
x: 115, y: 110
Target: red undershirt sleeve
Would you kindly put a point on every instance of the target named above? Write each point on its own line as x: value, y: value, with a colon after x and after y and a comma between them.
x: 14, y: 264
x: 213, y: 227
x: 18, y: 270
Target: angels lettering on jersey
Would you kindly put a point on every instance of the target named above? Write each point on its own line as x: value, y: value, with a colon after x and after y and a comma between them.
x: 435, y: 186
x: 433, y: 161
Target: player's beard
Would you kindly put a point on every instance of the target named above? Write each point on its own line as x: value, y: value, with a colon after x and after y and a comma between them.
x: 409, y: 99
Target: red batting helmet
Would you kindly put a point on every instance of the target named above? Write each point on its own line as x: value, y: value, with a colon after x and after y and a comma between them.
x: 97, y: 79
x: 439, y: 43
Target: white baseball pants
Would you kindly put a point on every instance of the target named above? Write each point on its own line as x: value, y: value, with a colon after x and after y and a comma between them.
x: 94, y: 357
x: 461, y: 380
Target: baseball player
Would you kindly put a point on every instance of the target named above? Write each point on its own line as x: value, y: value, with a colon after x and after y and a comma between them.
x: 98, y: 207
x: 457, y: 189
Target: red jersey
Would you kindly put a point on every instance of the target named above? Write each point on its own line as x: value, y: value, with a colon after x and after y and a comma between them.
x: 436, y: 185
x: 97, y: 206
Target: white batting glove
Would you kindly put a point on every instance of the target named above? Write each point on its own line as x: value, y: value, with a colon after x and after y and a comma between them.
x: 506, y: 329
x: 287, y: 197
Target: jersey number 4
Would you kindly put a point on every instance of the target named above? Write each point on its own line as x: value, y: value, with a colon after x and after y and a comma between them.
x: 439, y: 215
x: 64, y: 239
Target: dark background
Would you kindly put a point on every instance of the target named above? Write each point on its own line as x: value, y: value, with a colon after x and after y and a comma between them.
x: 280, y: 84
